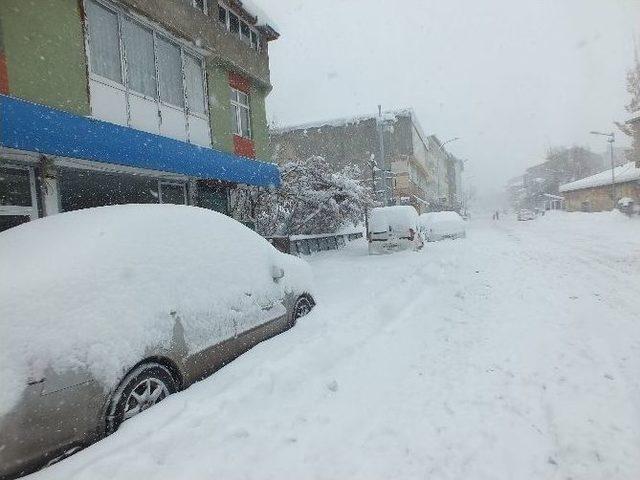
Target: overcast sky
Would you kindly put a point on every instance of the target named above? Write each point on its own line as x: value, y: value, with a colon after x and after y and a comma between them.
x: 510, y: 77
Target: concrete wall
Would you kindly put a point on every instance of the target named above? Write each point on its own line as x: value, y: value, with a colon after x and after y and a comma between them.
x: 219, y: 107
x: 44, y: 47
x: 599, y: 198
x: 343, y: 145
x: 259, y: 126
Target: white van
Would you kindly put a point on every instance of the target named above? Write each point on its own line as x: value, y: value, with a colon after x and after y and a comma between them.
x: 392, y: 229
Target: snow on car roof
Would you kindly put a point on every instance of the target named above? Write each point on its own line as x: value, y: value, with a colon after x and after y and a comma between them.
x: 397, y: 217
x: 95, y: 288
x: 624, y: 173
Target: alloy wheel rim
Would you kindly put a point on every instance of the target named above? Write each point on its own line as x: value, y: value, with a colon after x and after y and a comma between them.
x: 302, y: 308
x: 145, y: 395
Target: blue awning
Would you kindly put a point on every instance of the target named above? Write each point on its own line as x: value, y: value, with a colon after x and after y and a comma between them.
x: 37, y: 128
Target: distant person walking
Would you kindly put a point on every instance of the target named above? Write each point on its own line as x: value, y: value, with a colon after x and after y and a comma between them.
x: 496, y: 215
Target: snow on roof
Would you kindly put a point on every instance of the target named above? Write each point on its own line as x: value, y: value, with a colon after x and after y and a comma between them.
x: 387, y: 116
x: 624, y: 173
x: 254, y: 8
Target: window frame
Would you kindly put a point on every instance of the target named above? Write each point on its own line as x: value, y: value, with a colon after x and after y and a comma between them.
x: 253, y: 32
x: 22, y: 210
x: 205, y: 6
x: 237, y: 106
x: 157, y: 31
x: 166, y: 183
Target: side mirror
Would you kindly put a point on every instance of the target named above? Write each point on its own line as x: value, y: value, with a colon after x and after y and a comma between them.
x: 277, y: 273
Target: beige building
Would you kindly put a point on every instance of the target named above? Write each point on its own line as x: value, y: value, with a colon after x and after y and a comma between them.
x: 596, y: 194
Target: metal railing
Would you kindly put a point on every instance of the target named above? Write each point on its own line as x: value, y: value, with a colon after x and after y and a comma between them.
x: 308, y: 244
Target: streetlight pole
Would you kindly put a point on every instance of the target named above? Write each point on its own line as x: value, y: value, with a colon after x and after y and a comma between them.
x: 611, y: 139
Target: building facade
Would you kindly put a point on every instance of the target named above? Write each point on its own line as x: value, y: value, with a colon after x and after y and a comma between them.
x: 130, y: 101
x: 598, y: 193
x: 400, y: 163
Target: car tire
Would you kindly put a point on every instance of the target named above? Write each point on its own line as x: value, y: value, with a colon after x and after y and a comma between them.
x: 304, y: 304
x: 143, y: 387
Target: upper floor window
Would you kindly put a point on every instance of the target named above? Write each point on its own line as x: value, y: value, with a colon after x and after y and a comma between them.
x: 151, y: 64
x: 105, y: 46
x: 143, y: 78
x: 234, y: 24
x: 201, y: 5
x: 240, y: 113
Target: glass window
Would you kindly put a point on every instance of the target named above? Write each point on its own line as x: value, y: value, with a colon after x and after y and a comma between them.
x: 222, y: 14
x: 85, y: 189
x: 244, y: 123
x: 141, y: 68
x: 255, y: 40
x: 194, y: 83
x: 10, y: 221
x: 103, y: 42
x: 240, y: 114
x: 200, y: 4
x: 170, y: 72
x: 246, y: 31
x: 15, y: 187
x: 173, y: 193
x: 234, y: 23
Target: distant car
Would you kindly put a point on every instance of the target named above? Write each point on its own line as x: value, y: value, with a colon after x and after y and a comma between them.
x: 107, y: 311
x: 392, y: 229
x: 526, y: 214
x: 440, y: 225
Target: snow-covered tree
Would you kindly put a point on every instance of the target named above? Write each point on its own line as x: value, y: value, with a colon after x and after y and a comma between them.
x: 633, y: 107
x: 313, y: 198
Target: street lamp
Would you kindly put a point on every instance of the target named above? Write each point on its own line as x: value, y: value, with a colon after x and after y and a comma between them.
x: 611, y: 140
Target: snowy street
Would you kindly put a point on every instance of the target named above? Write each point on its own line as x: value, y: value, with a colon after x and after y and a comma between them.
x: 511, y: 354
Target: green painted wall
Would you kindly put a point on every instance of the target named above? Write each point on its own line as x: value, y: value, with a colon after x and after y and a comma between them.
x: 259, y: 126
x: 219, y: 107
x: 44, y: 44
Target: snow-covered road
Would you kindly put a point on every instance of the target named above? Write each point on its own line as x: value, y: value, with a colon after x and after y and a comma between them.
x: 511, y: 354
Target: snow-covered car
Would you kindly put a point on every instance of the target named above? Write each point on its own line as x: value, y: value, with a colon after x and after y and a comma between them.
x: 440, y: 225
x: 107, y: 311
x: 392, y: 229
x: 525, y: 214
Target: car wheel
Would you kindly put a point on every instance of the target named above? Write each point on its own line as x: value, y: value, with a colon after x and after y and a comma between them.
x: 142, y: 388
x: 301, y: 308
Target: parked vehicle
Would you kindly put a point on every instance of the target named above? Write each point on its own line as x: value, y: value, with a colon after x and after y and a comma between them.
x: 107, y: 311
x: 392, y: 229
x: 440, y: 225
x: 525, y: 214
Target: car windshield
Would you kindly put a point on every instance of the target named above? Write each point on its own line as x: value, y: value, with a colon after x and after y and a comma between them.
x: 252, y: 239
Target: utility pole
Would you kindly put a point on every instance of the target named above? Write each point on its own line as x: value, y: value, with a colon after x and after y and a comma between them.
x: 382, y: 159
x: 611, y: 140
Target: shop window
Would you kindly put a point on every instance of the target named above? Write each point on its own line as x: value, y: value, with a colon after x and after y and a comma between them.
x: 174, y: 193
x: 213, y: 198
x: 86, y: 189
x: 17, y: 196
x: 15, y: 187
